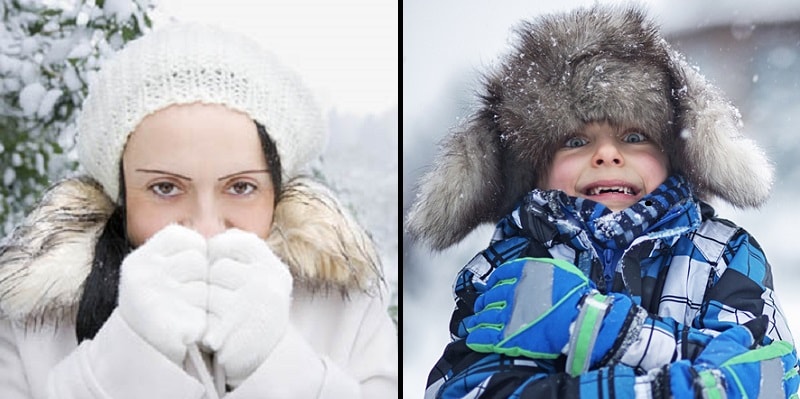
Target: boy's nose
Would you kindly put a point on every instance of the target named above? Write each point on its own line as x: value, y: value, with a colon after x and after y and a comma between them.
x: 607, y: 154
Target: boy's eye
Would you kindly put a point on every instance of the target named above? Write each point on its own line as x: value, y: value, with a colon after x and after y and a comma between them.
x: 241, y: 188
x: 634, y: 137
x: 575, y: 142
x: 165, y: 189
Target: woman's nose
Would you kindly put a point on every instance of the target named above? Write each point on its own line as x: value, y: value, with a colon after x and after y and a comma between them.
x: 607, y: 154
x: 207, y: 219
x: 209, y: 226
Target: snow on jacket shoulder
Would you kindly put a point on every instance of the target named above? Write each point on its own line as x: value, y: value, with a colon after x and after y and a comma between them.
x: 696, y: 276
x: 337, y: 345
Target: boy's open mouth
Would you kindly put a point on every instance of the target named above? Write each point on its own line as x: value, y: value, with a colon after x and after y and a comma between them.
x: 597, y: 190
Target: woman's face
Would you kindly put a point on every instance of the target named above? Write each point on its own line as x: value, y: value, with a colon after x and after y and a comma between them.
x: 200, y: 166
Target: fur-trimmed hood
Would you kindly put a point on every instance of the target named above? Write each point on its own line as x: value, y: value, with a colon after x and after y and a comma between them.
x: 45, y: 261
x: 604, y: 63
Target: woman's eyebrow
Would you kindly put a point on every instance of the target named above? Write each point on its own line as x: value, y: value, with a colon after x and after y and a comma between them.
x: 244, y: 172
x: 163, y: 172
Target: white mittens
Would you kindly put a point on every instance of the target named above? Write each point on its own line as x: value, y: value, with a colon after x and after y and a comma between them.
x: 163, y: 290
x: 230, y: 293
x: 249, y: 293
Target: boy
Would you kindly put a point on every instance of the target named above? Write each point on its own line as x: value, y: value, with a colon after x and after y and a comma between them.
x: 608, y: 275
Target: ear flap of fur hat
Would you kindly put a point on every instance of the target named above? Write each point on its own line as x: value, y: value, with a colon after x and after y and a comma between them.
x: 463, y: 188
x: 711, y: 150
x: 604, y: 63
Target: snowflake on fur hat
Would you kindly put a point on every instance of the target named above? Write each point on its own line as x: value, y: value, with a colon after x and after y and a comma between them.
x: 603, y: 63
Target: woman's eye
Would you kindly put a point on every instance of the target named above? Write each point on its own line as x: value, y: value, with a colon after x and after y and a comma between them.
x: 634, y: 137
x: 241, y: 188
x: 575, y: 142
x: 165, y: 189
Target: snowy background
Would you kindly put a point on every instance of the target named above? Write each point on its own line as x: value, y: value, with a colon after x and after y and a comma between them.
x: 749, y: 49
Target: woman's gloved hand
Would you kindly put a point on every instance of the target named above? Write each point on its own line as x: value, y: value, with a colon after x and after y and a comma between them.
x: 163, y: 290
x: 248, y: 302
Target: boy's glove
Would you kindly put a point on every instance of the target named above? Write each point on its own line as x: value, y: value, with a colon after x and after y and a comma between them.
x: 163, y: 290
x: 542, y: 308
x: 728, y: 367
x: 248, y: 302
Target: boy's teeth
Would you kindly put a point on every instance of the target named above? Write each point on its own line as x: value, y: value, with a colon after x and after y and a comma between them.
x: 617, y: 189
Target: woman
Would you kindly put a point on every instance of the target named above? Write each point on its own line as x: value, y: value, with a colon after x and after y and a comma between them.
x: 154, y: 275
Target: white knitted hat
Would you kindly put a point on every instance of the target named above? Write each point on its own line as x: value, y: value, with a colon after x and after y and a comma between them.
x: 187, y: 63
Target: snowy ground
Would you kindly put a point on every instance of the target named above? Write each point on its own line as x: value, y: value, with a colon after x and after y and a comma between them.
x: 446, y: 41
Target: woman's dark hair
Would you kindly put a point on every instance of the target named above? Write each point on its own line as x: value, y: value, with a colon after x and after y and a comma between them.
x: 101, y: 287
x: 273, y: 160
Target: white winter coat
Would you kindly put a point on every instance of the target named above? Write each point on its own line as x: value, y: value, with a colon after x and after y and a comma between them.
x: 337, y: 346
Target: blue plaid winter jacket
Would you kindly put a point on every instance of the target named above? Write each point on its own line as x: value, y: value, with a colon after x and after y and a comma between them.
x: 696, y: 275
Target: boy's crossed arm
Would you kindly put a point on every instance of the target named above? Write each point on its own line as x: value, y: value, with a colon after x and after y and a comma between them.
x: 535, y: 313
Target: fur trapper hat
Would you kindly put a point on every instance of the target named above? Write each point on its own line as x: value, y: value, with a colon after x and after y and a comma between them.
x: 604, y: 63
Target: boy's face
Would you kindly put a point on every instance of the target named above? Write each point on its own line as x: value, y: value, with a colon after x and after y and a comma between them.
x: 613, y: 165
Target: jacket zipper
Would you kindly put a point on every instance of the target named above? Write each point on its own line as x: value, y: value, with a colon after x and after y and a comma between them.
x: 609, y: 267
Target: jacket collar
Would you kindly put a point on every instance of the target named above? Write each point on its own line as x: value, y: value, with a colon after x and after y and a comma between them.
x: 670, y: 209
x: 45, y: 260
